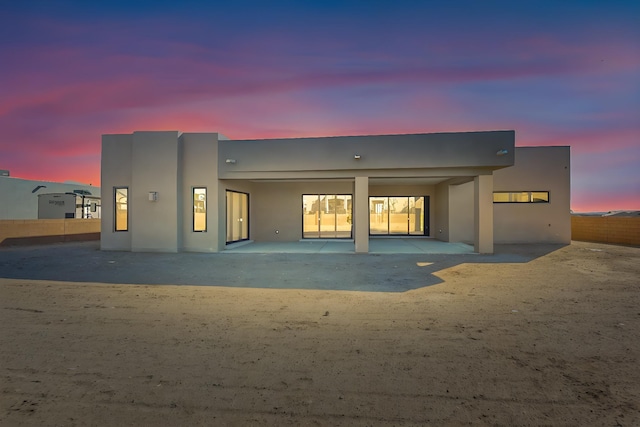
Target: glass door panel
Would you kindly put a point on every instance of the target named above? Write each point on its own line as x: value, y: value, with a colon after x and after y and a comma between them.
x: 343, y: 216
x: 416, y: 215
x: 243, y: 200
x: 378, y: 215
x: 326, y: 216
x: 310, y: 216
x: 398, y: 218
x: 237, y: 216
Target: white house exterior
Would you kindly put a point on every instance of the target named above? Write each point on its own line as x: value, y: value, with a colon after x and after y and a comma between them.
x: 170, y: 191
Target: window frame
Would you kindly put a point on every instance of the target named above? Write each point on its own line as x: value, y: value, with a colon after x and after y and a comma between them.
x: 115, y: 209
x: 326, y: 194
x: 193, y: 215
x: 529, y: 197
x: 425, y: 219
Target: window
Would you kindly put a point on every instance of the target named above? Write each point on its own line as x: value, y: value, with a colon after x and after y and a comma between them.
x: 199, y: 209
x: 326, y: 216
x: 520, y: 197
x: 399, y: 215
x: 121, y: 200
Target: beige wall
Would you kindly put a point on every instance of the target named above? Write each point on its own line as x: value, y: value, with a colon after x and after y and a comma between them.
x: 278, y: 206
x: 461, y: 210
x: 333, y: 157
x: 440, y: 206
x: 154, y: 168
x: 115, y: 172
x: 535, y: 169
x: 198, y: 168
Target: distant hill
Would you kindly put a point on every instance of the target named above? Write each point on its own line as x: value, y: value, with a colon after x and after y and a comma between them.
x: 621, y: 213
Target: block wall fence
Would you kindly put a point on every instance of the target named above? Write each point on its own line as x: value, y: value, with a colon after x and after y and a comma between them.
x: 36, y: 231
x: 604, y: 229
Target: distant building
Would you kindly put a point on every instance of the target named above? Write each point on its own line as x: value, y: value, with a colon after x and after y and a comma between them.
x: 623, y: 213
x: 68, y: 205
x: 19, y: 197
x: 172, y: 191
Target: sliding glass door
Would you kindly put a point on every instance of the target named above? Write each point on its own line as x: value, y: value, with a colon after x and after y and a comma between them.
x: 326, y: 216
x: 237, y: 216
x: 399, y: 215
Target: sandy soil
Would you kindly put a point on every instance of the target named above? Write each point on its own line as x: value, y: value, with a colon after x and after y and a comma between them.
x: 555, y: 341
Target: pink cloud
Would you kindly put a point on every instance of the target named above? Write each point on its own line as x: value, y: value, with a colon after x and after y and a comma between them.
x: 604, y: 202
x: 601, y: 140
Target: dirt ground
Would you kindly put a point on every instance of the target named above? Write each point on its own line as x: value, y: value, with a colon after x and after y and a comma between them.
x: 553, y: 341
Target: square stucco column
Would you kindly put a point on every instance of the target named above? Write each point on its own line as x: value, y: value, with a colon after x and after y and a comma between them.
x: 361, y: 214
x: 483, y: 214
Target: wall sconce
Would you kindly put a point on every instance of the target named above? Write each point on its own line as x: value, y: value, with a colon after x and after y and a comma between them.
x: 230, y: 161
x: 502, y: 152
x: 153, y: 196
x: 356, y: 156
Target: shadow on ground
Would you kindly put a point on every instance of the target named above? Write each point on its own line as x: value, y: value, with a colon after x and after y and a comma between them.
x: 84, y: 262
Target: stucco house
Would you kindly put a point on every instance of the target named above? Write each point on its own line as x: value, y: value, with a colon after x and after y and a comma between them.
x: 170, y: 191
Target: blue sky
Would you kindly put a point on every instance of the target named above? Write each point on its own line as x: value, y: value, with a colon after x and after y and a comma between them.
x: 559, y: 73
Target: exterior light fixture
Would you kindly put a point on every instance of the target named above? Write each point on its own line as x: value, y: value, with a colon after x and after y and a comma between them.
x: 502, y: 152
x: 356, y: 156
x: 231, y: 161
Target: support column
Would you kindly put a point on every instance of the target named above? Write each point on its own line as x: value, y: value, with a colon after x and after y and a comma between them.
x: 483, y: 214
x: 361, y: 214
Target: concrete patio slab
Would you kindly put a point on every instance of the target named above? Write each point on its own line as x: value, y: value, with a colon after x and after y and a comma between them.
x: 376, y: 246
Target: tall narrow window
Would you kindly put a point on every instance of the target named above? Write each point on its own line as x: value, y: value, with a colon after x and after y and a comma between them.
x: 199, y: 209
x: 121, y: 200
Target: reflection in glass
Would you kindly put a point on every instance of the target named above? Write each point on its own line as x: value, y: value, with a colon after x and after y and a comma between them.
x: 521, y: 197
x: 326, y: 216
x: 416, y: 215
x: 237, y: 216
x: 199, y: 209
x: 121, y: 205
x: 343, y: 216
x: 400, y: 216
x: 378, y: 215
x: 540, y: 197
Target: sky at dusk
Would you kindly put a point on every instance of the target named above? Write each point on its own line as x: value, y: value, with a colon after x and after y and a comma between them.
x: 557, y: 72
